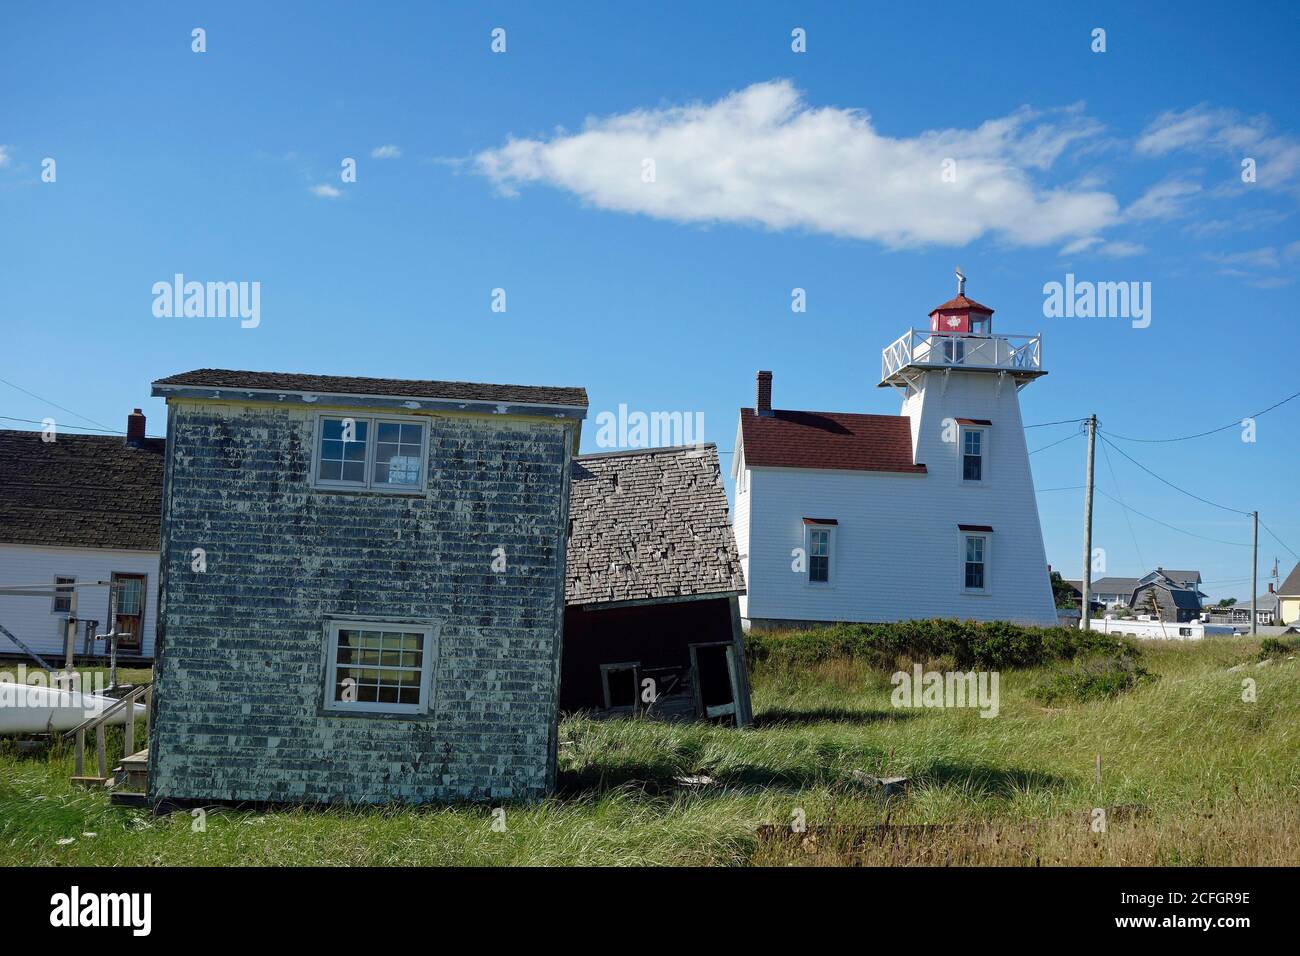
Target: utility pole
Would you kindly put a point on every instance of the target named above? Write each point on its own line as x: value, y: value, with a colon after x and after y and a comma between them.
x: 1254, y: 567
x: 1085, y: 619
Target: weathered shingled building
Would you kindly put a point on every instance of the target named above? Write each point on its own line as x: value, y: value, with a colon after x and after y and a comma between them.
x: 363, y: 590
x: 76, y: 510
x: 653, y: 575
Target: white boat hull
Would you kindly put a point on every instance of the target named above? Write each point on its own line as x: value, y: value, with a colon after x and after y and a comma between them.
x: 30, y: 709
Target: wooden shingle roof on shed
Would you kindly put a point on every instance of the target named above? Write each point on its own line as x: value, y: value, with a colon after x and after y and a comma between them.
x: 80, y: 491
x: 299, y: 383
x: 649, y: 525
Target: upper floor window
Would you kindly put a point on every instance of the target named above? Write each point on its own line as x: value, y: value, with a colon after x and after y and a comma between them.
x: 954, y: 351
x: 380, y: 454
x: 62, y: 595
x: 379, y: 668
x: 972, y: 454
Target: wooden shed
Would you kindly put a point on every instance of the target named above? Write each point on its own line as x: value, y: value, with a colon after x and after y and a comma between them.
x: 652, y: 626
x: 362, y: 588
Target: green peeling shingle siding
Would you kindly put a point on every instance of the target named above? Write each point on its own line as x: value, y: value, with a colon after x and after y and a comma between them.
x: 241, y: 682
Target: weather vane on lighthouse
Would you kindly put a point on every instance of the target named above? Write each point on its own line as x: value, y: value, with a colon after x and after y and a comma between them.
x: 961, y: 281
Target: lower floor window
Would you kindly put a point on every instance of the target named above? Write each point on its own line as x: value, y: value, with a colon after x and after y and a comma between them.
x: 379, y: 667
x: 975, y: 561
x: 621, y: 684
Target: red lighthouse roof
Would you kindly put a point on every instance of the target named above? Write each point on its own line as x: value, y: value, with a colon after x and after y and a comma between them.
x: 961, y: 304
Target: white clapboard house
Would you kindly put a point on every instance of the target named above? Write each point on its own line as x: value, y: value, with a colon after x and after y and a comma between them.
x: 79, y: 515
x: 841, y: 516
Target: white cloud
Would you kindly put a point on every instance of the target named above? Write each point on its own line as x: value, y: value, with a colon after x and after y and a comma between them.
x: 386, y: 152
x: 325, y: 191
x: 1166, y: 200
x: 4, y: 155
x: 1267, y: 267
x: 1277, y: 155
x: 1120, y: 249
x: 1115, y: 249
x: 763, y: 156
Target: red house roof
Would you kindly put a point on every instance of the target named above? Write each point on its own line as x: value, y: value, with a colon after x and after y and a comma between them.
x: 961, y: 303
x: 838, y: 440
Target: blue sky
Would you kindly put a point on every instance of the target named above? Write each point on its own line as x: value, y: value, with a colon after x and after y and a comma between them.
x: 775, y: 170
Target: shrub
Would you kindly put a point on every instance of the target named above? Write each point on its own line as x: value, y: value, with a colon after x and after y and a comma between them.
x: 990, y: 645
x: 1093, y: 678
x: 1272, y: 647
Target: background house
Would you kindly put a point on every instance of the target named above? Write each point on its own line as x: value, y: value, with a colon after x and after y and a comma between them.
x: 75, y: 511
x: 1168, y: 595
x: 1112, y: 592
x: 1288, y: 598
x: 651, y: 583
x: 842, y: 516
x: 378, y: 610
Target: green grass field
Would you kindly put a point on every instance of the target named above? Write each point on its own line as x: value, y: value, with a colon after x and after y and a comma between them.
x: 1191, y: 774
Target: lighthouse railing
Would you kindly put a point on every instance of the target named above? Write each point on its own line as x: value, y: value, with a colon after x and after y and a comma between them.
x: 926, y: 349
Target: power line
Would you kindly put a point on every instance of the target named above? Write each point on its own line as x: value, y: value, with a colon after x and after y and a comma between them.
x: 1235, y: 544
x: 1062, y: 488
x: 1212, y: 431
x: 55, y: 404
x: 84, y: 428
x: 1127, y: 520
x: 1172, y: 485
x: 1068, y: 421
x: 1055, y: 443
x: 1279, y: 540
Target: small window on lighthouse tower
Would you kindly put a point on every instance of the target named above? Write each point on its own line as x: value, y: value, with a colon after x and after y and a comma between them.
x: 972, y: 454
x: 976, y: 552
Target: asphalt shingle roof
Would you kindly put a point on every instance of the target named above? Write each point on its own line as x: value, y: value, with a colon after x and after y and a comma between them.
x: 388, y: 387
x: 793, y: 439
x: 649, y: 524
x: 1292, y: 583
x: 84, y: 491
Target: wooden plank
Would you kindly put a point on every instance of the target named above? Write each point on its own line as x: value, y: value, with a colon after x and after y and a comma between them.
x: 128, y: 743
x: 100, y: 756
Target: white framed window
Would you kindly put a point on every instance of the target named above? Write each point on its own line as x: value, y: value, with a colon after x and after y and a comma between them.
x: 975, y: 563
x: 974, y: 453
x: 370, y: 453
x: 62, y: 601
x: 379, y: 667
x: 954, y: 350
x: 819, y: 546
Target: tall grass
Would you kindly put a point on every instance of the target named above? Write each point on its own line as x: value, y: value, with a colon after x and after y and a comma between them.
x: 1191, y: 774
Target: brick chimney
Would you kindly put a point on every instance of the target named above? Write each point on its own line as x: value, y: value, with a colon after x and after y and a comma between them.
x: 1270, y: 587
x: 763, y: 401
x: 135, y: 428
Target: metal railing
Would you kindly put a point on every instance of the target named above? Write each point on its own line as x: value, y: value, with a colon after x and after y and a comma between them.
x: 921, y: 347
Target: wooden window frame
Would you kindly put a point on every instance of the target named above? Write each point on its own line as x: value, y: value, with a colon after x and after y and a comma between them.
x: 379, y: 708
x: 983, y: 431
x: 59, y: 581
x: 987, y: 539
x: 635, y: 668
x: 372, y: 441
x: 830, y: 530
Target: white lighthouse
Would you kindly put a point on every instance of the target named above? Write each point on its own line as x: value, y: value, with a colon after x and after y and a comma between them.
x: 844, y: 516
x: 960, y: 384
